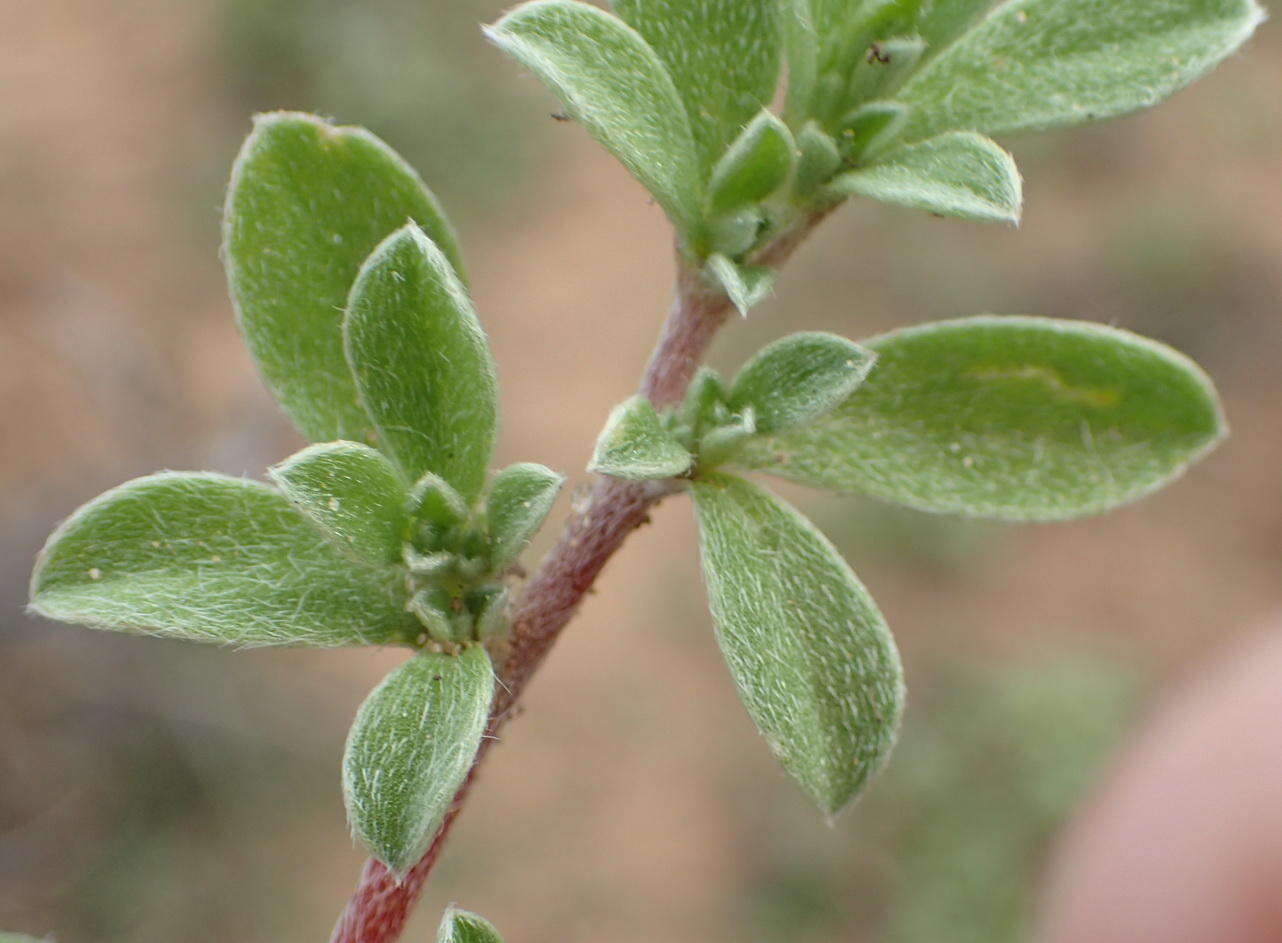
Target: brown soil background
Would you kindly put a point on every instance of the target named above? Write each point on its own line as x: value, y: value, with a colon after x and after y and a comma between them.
x: 153, y: 791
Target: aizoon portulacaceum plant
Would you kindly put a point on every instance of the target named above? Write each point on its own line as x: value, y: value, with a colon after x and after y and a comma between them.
x: 389, y: 530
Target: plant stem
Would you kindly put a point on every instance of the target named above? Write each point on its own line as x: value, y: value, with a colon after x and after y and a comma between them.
x: 379, y: 908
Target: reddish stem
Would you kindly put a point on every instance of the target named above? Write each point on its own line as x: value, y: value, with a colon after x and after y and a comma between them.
x: 379, y: 908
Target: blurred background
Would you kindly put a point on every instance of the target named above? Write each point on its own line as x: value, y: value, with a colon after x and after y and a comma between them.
x: 153, y: 791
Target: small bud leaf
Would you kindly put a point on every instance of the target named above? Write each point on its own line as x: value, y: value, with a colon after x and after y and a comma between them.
x: 870, y: 129
x: 705, y: 394
x: 353, y: 494
x: 634, y: 444
x: 745, y: 285
x: 817, y: 161
x: 957, y: 174
x: 433, y: 500
x: 461, y: 926
x: 718, y: 445
x: 884, y: 68
x: 519, y: 502
x: 799, y: 378
x: 755, y: 166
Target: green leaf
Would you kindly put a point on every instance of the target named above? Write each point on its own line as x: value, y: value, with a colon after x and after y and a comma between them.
x: 734, y: 234
x: 434, y: 608
x: 848, y: 28
x: 801, y: 55
x: 308, y: 202
x: 945, y: 20
x: 817, y: 160
x: 746, y: 285
x: 1009, y: 417
x: 461, y: 926
x: 434, y: 500
x: 956, y: 174
x: 492, y: 614
x: 519, y: 502
x: 422, y: 363
x: 20, y: 938
x: 635, y: 445
x: 410, y: 748
x: 811, y: 655
x: 870, y: 129
x: 353, y: 494
x: 799, y: 378
x: 755, y: 166
x: 719, y: 444
x: 1044, y: 63
x: 705, y: 394
x: 723, y: 56
x: 884, y: 68
x: 208, y: 558
x: 616, y: 86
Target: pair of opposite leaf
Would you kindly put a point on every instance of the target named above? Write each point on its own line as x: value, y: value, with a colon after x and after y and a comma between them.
x: 888, y: 99
x: 1013, y: 418
x: 347, y: 285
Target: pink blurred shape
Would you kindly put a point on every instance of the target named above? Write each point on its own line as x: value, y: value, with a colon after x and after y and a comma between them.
x: 1183, y: 841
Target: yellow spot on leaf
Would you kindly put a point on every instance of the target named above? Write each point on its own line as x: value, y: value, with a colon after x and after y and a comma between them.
x: 1099, y: 398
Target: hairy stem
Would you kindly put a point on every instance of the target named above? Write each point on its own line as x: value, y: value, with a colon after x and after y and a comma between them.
x: 379, y: 908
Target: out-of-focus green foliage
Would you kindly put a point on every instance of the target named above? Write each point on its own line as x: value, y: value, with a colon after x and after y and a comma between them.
x: 948, y: 844
x: 981, y: 786
x: 402, y: 68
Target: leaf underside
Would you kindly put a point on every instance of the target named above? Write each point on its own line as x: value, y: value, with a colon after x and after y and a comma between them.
x: 410, y: 748
x: 745, y: 285
x: 810, y: 653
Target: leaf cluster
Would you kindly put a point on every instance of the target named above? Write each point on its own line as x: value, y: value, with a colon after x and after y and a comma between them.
x: 389, y: 528
x: 888, y: 99
x: 348, y: 287
x: 1012, y: 418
